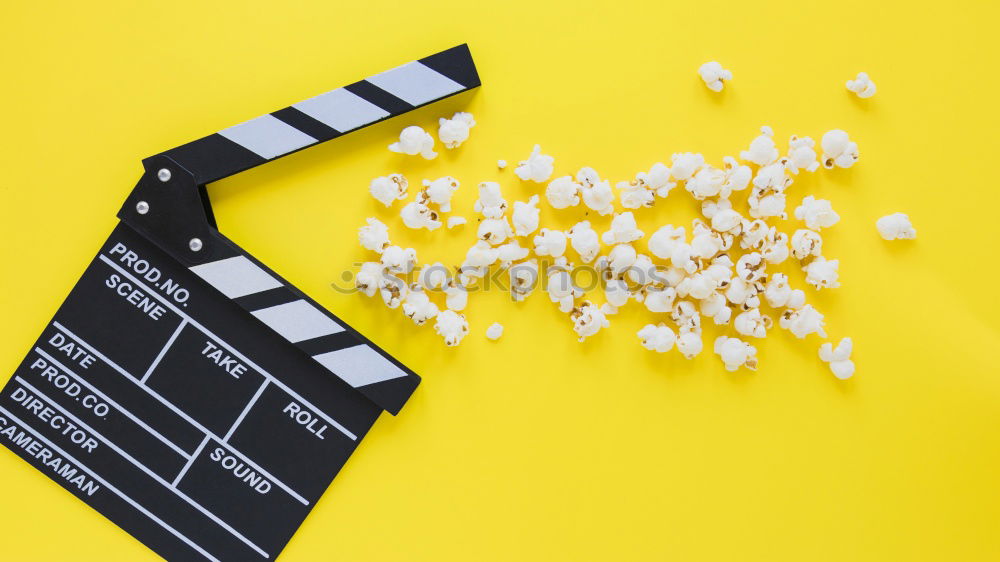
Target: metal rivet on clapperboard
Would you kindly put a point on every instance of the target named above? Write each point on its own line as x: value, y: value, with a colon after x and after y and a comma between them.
x: 142, y: 207
x: 195, y: 244
x: 163, y: 174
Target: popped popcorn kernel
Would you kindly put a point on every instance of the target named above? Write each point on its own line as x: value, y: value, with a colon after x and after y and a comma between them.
x: 584, y: 241
x: 802, y: 155
x: 526, y: 216
x: 822, y: 273
x: 838, y: 150
x: 456, y: 221
x: 387, y: 189
x: 803, y: 321
x: 550, y: 242
x: 417, y: 306
x: 494, y: 231
x: 494, y: 331
x: 839, y: 358
x: 862, y: 85
x: 657, y: 337
x: 762, y: 149
x: 398, y: 260
x: 714, y: 75
x: 597, y: 194
x: 491, y: 202
x: 538, y: 167
x: 736, y: 353
x: 414, y: 140
x: 689, y: 344
x: 374, y: 235
x: 817, y: 213
x: 896, y: 226
x: 563, y: 192
x: 588, y: 319
x: 453, y: 132
x: 416, y: 215
x: 370, y: 278
x: 685, y: 164
x: 451, y: 326
x: 439, y: 192
x: 623, y: 229
x: 501, y: 163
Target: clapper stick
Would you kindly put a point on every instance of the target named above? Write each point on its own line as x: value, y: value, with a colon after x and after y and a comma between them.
x: 185, y: 390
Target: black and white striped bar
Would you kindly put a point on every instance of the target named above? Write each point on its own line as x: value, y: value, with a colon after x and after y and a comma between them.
x: 333, y: 344
x: 328, y: 115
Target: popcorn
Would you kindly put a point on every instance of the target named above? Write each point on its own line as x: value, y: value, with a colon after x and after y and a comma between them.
x: 737, y: 177
x: 660, y: 300
x: 775, y: 247
x: 526, y: 216
x: 752, y: 323
x: 538, y: 167
x: 623, y: 229
x: 501, y: 164
x: 561, y: 288
x: 767, y: 206
x: 439, y: 192
x: 802, y: 155
x: 510, y: 253
x: 563, y: 192
x: 715, y: 307
x: 634, y: 195
x: 762, y: 150
x: 727, y: 220
x: 434, y: 276
x: 455, y: 131
x: 806, y: 243
x: 839, y: 358
x: 657, y: 179
x: 862, y: 86
x: 685, y: 164
x: 714, y: 75
x: 777, y: 291
x: 387, y: 189
x: 743, y: 293
x: 698, y: 286
x: 803, y: 321
x: 452, y: 326
x: 494, y: 331
x: 665, y: 240
x: 750, y: 267
x: 456, y: 297
x: 418, y: 307
x: 817, y: 213
x: 686, y: 316
x: 754, y: 233
x: 550, y: 243
x: 838, y: 150
x: 822, y: 273
x: 588, y: 320
x: 491, y: 202
x: 689, y: 344
x: 706, y: 243
x: 393, y: 291
x: 523, y: 279
x: 642, y: 271
x: 398, y: 260
x: 478, y: 258
x: 584, y: 240
x: 707, y: 182
x: 414, y: 140
x: 772, y: 177
x: 494, y: 231
x: 374, y: 236
x: 896, y: 226
x: 597, y: 194
x: 659, y: 337
x: 416, y: 215
x: 370, y: 278
x: 616, y: 293
x: 456, y: 221
x: 711, y: 207
x: 621, y: 258
x: 736, y: 353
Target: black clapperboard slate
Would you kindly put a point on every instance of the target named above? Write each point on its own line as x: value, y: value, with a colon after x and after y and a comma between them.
x: 186, y: 391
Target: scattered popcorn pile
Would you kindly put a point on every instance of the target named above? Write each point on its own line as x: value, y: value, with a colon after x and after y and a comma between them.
x: 718, y: 270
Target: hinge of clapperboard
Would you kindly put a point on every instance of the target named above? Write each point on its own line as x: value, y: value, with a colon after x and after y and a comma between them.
x: 170, y: 207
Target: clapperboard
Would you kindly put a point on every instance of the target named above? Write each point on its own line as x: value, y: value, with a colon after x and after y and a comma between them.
x: 186, y: 391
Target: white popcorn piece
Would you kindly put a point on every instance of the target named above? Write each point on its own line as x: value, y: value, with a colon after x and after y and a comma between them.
x: 752, y: 323
x: 494, y: 231
x: 822, y: 273
x: 434, y: 276
x: 806, y: 243
x: 418, y: 307
x: 727, y: 221
x: 665, y: 241
x: 491, y: 202
x: 762, y: 150
x: 494, y: 331
x: 643, y: 270
x: 737, y: 176
x: 714, y: 75
x: 501, y: 163
x: 563, y: 192
x: 370, y: 278
x: 414, y: 140
x: 802, y: 155
x: 707, y: 182
x: 439, y: 192
x: 597, y: 193
x: 862, y: 85
x: 657, y: 180
x: 838, y: 149
x: 456, y: 221
x: 660, y: 299
x: 561, y: 288
x: 549, y: 242
x: 817, y: 213
x: 711, y: 207
x: 523, y: 279
x: 768, y: 206
x: 699, y: 285
x: 685, y: 165
x: 617, y: 294
x: 896, y: 226
x: 754, y: 233
x: 772, y: 178
x: 634, y: 195
x: 584, y: 241
x: 839, y: 358
x: 686, y: 316
x: 417, y: 215
x: 689, y: 344
x: 451, y: 326
x: 705, y: 243
x: 456, y: 297
x: 743, y: 293
x: 621, y: 258
x: 538, y: 167
x: 511, y: 252
x: 736, y: 353
x: 588, y: 319
x: 657, y: 337
x: 716, y: 307
x: 623, y: 230
x: 777, y: 291
x: 387, y: 189
x: 526, y: 216
x: 453, y: 132
x: 775, y: 247
x: 751, y: 267
x: 803, y: 321
x: 374, y: 235
x: 398, y: 260
x: 393, y: 291
x: 481, y: 254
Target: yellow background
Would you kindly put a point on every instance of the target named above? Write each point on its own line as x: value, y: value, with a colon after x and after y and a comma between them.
x: 537, y: 447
